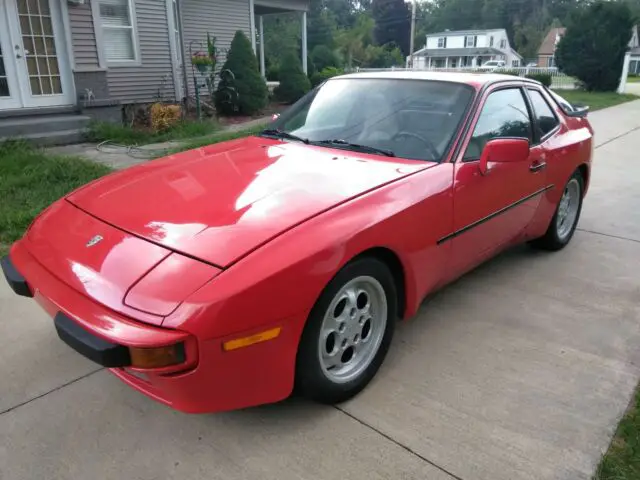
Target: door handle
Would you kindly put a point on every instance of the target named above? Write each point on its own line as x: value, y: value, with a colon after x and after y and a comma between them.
x: 537, y: 166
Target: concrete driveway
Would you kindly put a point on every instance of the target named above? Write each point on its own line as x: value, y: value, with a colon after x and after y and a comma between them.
x: 520, y: 370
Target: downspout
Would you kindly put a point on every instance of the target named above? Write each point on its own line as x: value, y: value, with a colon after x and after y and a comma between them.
x: 185, y: 75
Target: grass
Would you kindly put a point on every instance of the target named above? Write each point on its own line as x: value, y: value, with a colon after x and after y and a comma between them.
x: 633, y: 79
x: 30, y: 180
x: 595, y: 100
x: 100, y: 132
x: 622, y: 461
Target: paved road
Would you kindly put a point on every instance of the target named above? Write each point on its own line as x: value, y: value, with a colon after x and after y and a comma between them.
x: 520, y: 370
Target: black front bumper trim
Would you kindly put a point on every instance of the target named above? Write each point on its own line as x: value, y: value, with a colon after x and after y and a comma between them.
x: 16, y: 281
x: 107, y: 354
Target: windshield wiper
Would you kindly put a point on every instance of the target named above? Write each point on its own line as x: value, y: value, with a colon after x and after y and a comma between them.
x: 276, y: 132
x: 355, y: 146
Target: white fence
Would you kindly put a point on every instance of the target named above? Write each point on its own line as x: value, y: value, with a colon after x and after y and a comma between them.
x: 558, y: 79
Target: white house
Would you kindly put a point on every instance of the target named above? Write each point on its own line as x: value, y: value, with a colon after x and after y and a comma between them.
x: 465, y: 48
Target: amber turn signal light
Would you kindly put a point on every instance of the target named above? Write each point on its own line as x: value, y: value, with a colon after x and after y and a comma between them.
x: 252, y: 339
x: 157, y: 357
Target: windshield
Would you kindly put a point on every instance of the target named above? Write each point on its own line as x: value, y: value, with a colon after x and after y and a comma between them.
x: 414, y: 119
x: 491, y: 64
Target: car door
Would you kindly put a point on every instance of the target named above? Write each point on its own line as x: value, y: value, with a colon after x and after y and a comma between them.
x: 493, y: 209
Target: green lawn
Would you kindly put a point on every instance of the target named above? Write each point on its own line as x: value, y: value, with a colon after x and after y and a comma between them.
x: 595, y: 100
x: 30, y: 180
x: 622, y: 461
x: 634, y: 79
x: 100, y: 132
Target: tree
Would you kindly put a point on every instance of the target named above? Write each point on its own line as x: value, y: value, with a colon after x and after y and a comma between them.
x: 323, y: 57
x: 594, y: 45
x: 393, y: 23
x: 353, y: 41
x: 384, y: 56
x: 243, y: 90
x: 293, y: 82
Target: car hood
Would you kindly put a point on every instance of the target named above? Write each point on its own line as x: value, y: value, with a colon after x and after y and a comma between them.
x: 220, y: 202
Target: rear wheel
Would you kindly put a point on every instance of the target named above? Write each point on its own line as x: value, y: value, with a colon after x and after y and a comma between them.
x: 348, y: 332
x: 565, y: 220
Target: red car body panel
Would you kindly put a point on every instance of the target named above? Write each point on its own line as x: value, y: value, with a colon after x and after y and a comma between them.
x: 240, y: 237
x: 223, y: 201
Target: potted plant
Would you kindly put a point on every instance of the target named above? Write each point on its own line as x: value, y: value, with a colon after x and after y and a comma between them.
x: 202, y: 62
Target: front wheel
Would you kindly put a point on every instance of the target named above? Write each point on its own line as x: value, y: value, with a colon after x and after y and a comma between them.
x: 348, y: 332
x: 565, y: 220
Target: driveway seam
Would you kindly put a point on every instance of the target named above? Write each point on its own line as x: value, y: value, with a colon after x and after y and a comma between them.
x: 608, y: 235
x: 617, y: 137
x: 401, y: 445
x: 60, y: 387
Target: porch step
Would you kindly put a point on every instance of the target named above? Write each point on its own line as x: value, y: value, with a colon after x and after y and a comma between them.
x: 45, y: 130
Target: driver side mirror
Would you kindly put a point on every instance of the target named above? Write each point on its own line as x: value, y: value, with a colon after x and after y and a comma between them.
x: 503, y: 150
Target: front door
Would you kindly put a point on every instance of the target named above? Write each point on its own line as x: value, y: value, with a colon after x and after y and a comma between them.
x: 492, y: 210
x: 34, y: 65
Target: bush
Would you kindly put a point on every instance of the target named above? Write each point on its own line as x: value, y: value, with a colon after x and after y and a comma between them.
x: 323, y: 57
x: 273, y: 73
x: 325, y: 74
x: 245, y: 92
x: 293, y: 82
x: 595, y: 43
x: 543, y: 78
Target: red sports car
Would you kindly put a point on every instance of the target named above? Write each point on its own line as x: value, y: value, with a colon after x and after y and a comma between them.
x: 222, y: 277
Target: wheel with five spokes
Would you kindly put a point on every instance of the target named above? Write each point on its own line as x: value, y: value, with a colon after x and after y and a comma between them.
x: 348, y: 332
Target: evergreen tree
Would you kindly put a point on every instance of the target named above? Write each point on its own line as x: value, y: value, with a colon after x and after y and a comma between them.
x: 293, y: 82
x: 243, y: 90
x: 594, y: 45
x: 393, y: 23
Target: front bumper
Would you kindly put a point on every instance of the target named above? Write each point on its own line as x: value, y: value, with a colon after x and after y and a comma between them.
x: 217, y: 381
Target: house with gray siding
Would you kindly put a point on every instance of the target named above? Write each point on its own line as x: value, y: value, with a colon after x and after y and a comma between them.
x: 63, y: 62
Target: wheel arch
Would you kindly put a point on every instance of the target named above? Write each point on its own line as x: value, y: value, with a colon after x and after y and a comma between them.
x: 391, y: 260
x: 584, y: 171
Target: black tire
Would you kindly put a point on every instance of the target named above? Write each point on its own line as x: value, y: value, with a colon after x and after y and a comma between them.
x: 311, y: 380
x: 551, y: 240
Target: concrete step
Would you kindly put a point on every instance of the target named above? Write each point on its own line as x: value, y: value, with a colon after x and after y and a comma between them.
x: 20, y: 126
x: 51, y: 139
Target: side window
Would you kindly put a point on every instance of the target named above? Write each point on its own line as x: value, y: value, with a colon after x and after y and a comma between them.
x: 547, y: 120
x: 504, y: 114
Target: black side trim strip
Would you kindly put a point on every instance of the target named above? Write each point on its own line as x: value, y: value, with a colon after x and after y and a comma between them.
x: 492, y: 215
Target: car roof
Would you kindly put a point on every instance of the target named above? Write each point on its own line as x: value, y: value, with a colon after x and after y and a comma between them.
x: 476, y: 80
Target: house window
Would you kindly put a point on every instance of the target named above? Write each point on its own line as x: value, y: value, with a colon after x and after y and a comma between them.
x: 470, y: 41
x: 491, y: 41
x: 552, y: 62
x: 515, y: 63
x: 442, y: 42
x: 118, y: 32
x: 503, y: 43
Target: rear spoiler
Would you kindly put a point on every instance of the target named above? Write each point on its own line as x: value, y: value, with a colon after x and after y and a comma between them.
x: 578, y: 112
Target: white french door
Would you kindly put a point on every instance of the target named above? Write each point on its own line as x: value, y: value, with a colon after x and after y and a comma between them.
x: 34, y: 65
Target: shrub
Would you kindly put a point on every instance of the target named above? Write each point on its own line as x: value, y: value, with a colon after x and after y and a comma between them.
x: 293, y: 82
x: 323, y: 57
x: 163, y: 117
x: 245, y: 92
x: 325, y: 74
x: 543, y: 78
x: 595, y: 43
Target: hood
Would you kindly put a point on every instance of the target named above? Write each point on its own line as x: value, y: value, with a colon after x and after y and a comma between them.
x: 218, y: 203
